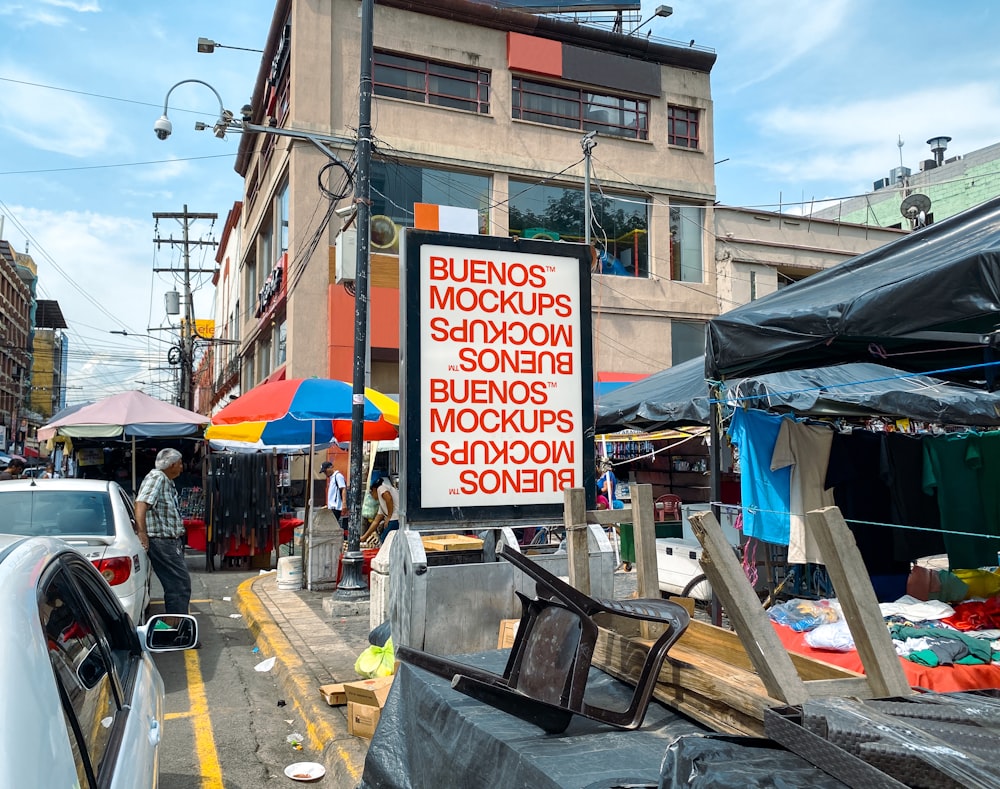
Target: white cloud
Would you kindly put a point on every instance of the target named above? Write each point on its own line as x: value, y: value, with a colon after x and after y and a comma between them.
x: 71, y: 125
x: 79, y: 7
x: 856, y: 140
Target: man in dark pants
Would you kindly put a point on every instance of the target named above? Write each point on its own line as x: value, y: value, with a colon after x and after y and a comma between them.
x: 161, y: 530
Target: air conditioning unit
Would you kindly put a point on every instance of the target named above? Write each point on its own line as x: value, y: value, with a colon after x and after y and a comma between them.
x: 881, y: 183
x: 347, y: 255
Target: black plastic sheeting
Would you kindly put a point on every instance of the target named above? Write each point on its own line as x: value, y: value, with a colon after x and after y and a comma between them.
x: 675, y: 397
x: 943, y: 278
x: 679, y: 396
x: 721, y: 762
x: 430, y: 736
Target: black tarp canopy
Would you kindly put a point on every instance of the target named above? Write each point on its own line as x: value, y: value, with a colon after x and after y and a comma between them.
x: 927, y: 302
x: 679, y: 396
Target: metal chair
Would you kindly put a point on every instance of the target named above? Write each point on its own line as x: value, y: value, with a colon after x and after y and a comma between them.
x: 545, y: 678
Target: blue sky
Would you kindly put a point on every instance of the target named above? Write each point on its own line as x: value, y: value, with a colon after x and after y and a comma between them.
x: 810, y: 99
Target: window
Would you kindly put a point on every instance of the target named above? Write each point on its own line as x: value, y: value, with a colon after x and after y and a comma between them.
x: 430, y: 82
x: 250, y: 273
x: 682, y: 126
x: 93, y: 657
x: 556, y: 213
x: 281, y: 223
x: 396, y: 187
x: 687, y: 340
x: 576, y: 108
x: 686, y: 224
x: 280, y: 344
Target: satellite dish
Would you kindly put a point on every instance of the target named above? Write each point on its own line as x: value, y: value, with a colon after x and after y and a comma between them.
x: 913, y: 205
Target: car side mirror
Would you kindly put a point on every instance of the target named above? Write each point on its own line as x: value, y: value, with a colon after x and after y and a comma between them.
x: 169, y: 632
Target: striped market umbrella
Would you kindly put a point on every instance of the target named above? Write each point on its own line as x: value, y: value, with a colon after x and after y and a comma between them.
x: 302, y: 412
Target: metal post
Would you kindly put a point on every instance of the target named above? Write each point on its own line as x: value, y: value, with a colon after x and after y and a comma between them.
x: 352, y: 581
x: 187, y: 357
x: 587, y: 143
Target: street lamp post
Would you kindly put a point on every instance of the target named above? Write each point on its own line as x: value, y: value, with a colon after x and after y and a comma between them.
x: 352, y: 583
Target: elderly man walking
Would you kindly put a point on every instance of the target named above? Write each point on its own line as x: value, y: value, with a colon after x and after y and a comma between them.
x: 161, y: 530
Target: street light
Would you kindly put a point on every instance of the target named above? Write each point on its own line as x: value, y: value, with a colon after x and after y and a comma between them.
x: 352, y: 581
x: 661, y: 11
x: 207, y: 46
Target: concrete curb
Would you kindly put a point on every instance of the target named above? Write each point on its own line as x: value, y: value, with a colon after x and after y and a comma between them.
x: 325, y: 726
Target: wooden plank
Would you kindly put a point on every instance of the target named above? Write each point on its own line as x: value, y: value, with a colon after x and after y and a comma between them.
x: 858, y: 602
x: 606, y: 517
x: 644, y: 533
x: 577, y: 548
x: 749, y: 619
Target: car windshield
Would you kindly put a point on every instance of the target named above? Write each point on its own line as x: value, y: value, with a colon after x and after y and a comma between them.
x: 58, y: 513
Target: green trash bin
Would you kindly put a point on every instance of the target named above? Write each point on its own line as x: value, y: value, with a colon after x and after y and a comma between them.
x: 627, y: 537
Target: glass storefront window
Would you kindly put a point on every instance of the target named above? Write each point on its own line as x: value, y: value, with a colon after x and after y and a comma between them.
x: 686, y: 226
x: 556, y: 213
x: 396, y: 187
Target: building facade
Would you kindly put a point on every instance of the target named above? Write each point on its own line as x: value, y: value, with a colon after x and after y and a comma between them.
x: 480, y: 108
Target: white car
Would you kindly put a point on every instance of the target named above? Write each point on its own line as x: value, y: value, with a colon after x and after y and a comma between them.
x: 96, y: 517
x: 84, y: 700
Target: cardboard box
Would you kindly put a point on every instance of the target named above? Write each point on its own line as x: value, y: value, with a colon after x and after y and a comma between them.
x: 362, y: 719
x: 451, y: 542
x: 372, y: 692
x: 508, y: 630
x: 334, y: 694
x: 364, y: 704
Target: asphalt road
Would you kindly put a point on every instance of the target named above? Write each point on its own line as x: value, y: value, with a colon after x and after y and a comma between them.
x: 224, y: 723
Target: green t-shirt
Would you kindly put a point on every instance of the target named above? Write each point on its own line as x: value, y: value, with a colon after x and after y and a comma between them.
x: 954, y: 466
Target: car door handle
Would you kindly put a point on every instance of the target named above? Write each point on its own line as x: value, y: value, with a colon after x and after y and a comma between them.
x: 154, y: 731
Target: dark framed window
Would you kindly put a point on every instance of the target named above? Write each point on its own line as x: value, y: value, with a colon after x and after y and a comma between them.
x: 682, y: 126
x: 687, y: 340
x: 687, y: 224
x: 431, y: 82
x: 576, y: 108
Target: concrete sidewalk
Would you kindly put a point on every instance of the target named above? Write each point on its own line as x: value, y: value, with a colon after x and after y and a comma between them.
x: 315, y: 639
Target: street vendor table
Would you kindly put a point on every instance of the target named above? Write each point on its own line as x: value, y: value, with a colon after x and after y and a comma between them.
x: 196, y: 539
x: 943, y: 679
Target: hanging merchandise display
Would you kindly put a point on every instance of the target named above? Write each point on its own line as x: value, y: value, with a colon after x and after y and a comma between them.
x: 242, y: 504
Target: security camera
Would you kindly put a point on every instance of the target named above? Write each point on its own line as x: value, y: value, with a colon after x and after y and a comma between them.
x: 163, y: 127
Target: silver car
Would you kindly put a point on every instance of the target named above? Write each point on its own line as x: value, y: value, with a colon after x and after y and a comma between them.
x: 84, y: 700
x: 94, y: 516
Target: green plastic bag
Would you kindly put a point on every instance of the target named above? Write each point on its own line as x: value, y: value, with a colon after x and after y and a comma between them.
x: 376, y: 661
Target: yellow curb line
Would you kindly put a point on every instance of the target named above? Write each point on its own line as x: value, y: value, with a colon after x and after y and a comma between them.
x: 272, y: 642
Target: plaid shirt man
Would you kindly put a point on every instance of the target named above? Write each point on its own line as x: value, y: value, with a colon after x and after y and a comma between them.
x: 163, y: 519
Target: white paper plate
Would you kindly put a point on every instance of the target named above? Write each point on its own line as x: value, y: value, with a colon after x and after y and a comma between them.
x: 305, y: 771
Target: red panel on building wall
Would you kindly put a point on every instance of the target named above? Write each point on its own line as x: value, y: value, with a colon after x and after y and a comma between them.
x: 534, y: 55
x: 383, y: 327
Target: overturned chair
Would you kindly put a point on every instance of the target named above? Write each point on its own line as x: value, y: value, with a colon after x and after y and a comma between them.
x: 545, y: 680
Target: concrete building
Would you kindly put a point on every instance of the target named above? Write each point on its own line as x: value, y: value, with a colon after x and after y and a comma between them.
x: 218, y: 378
x: 949, y: 185
x: 486, y: 108
x: 481, y: 108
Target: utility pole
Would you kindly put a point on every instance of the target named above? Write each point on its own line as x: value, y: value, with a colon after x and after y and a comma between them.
x: 185, y: 398
x: 352, y: 582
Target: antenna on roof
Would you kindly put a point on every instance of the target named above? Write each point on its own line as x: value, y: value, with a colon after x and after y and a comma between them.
x: 899, y: 144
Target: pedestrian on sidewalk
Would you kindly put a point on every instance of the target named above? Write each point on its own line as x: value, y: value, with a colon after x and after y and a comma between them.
x: 336, y: 493
x: 161, y: 530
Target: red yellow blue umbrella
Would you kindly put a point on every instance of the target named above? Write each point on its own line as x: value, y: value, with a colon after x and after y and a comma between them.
x: 302, y: 412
